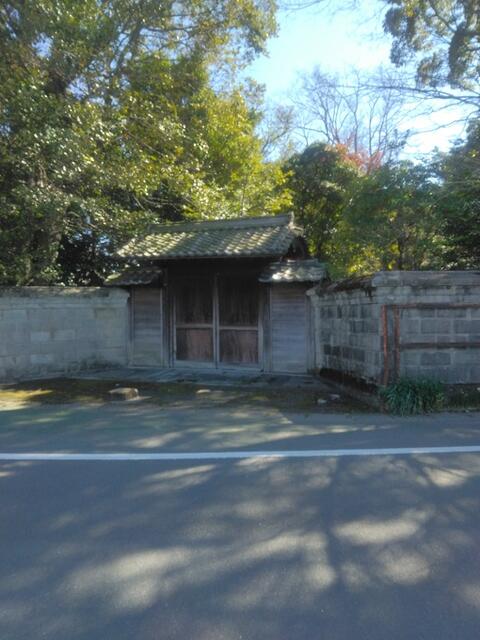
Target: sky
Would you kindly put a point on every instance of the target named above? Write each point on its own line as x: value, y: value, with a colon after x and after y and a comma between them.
x: 337, y: 41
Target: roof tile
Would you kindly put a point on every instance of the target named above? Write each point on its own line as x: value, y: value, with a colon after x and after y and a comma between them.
x: 267, y: 236
x: 310, y: 270
x: 133, y: 276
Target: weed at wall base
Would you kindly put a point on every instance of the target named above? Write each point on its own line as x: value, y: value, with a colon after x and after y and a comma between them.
x: 410, y: 396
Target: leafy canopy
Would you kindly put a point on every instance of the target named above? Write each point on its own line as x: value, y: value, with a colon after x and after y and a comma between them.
x: 320, y: 178
x: 459, y: 205
x: 109, y: 122
x: 441, y: 36
x: 391, y: 222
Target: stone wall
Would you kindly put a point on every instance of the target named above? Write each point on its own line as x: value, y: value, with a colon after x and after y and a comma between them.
x: 415, y: 324
x: 61, y: 329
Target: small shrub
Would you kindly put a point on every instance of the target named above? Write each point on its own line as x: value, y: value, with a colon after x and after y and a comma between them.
x: 409, y: 396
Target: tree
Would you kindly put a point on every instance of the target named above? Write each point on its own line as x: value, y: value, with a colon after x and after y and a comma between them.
x: 459, y: 202
x: 348, y: 111
x: 276, y: 130
x: 108, y: 120
x: 441, y: 36
x: 321, y: 178
x: 391, y: 222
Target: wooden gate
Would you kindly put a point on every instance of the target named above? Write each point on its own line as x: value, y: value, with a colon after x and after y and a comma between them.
x: 216, y: 320
x: 289, y: 328
x: 146, y: 326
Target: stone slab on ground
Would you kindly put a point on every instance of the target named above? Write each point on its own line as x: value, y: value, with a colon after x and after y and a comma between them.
x: 219, y: 377
x: 124, y: 393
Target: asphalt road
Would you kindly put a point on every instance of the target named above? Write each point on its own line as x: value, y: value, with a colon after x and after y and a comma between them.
x: 346, y: 548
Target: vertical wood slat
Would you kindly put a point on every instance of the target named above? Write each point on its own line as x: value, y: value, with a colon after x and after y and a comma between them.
x: 147, y: 326
x: 236, y: 316
x: 310, y: 337
x: 167, y: 319
x: 216, y: 319
x: 265, y: 333
x: 193, y: 320
x: 288, y: 318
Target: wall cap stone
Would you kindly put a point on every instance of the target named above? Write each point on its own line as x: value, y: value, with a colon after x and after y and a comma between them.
x: 63, y: 292
x: 426, y: 278
x: 393, y: 279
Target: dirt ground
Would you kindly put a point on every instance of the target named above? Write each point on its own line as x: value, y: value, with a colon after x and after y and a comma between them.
x: 66, y: 390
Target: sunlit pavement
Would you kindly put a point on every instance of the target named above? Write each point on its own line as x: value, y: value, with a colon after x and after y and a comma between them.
x: 368, y: 547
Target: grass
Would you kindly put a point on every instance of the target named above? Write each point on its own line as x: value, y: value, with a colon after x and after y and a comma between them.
x: 411, y: 396
x: 66, y: 390
x: 415, y: 396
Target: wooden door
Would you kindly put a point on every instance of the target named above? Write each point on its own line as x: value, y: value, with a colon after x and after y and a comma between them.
x: 146, y: 326
x: 289, y: 326
x: 238, y: 298
x: 194, y: 321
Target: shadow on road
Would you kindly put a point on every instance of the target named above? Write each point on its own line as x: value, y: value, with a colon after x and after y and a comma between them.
x: 378, y: 548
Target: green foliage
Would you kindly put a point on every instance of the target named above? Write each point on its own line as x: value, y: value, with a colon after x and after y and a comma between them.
x: 361, y: 222
x: 459, y: 204
x: 109, y: 122
x: 410, y: 396
x: 442, y: 36
x: 391, y: 222
x: 321, y: 178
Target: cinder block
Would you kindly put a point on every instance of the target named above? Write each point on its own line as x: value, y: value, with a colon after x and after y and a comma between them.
x: 41, y: 358
x: 39, y: 318
x: 12, y: 332
x: 466, y: 356
x: 14, y: 315
x: 467, y: 326
x: 370, y: 326
x: 436, y: 325
x: 112, y: 356
x: 435, y: 358
x: 425, y: 313
x: 83, y: 316
x: 410, y: 358
x: 21, y: 364
x: 366, y: 311
x: 64, y: 334
x: 451, y: 313
x: 103, y: 314
x: 458, y: 375
x: 435, y: 373
x: 474, y: 374
x: 446, y: 337
x: 40, y: 336
x: 7, y: 363
x: 358, y: 355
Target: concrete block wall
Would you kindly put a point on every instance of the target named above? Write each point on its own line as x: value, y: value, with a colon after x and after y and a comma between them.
x: 415, y: 324
x: 61, y: 329
x: 347, y: 330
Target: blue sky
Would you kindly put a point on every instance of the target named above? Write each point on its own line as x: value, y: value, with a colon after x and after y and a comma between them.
x: 337, y: 41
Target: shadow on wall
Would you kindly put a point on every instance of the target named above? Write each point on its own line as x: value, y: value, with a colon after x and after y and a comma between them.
x: 252, y: 549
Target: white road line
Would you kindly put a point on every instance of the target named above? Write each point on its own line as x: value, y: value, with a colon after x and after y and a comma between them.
x: 233, y: 455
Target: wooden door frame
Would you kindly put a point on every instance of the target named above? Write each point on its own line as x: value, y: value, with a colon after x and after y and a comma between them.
x: 132, y: 302
x: 255, y: 366
x: 194, y: 364
x: 215, y: 363
x: 308, y: 329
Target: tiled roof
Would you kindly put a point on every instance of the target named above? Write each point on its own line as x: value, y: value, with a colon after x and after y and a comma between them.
x: 269, y: 236
x: 133, y: 276
x: 310, y: 270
